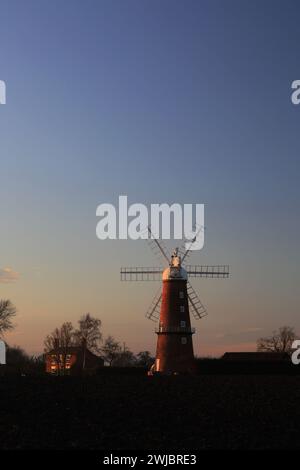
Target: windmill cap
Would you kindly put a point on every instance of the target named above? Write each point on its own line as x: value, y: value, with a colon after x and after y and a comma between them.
x: 174, y: 273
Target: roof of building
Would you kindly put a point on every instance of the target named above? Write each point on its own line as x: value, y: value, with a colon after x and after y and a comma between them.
x: 72, y: 350
x: 255, y: 356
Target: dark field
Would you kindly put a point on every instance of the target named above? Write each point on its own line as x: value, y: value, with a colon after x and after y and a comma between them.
x: 158, y: 413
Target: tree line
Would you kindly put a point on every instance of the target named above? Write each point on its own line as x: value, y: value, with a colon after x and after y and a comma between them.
x: 89, y: 334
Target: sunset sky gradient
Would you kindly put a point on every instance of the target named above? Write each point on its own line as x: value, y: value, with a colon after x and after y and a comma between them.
x: 169, y: 101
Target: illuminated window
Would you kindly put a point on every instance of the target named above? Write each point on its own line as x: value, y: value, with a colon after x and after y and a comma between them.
x: 183, y: 340
x: 181, y: 308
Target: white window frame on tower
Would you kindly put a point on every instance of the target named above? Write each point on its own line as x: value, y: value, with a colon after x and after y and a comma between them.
x: 183, y: 340
x: 181, y: 294
x: 181, y: 308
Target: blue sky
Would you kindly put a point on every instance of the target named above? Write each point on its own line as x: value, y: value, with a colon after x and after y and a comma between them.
x: 166, y: 102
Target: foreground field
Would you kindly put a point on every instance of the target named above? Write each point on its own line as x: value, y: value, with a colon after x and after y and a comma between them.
x: 137, y: 412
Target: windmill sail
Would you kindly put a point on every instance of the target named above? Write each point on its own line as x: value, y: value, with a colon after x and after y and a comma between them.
x: 189, y: 243
x: 196, y: 307
x: 208, y: 271
x: 154, y: 310
x: 158, y: 247
x: 141, y: 274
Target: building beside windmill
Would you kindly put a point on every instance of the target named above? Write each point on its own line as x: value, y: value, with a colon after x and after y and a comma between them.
x: 172, y: 306
x: 73, y: 360
x: 256, y: 357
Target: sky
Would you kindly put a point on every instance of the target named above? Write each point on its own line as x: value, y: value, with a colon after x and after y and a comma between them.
x: 186, y: 102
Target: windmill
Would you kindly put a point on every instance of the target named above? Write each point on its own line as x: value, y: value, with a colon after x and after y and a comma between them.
x: 172, y: 305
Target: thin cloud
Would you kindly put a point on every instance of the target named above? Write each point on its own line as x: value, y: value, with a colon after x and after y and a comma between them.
x: 8, y: 275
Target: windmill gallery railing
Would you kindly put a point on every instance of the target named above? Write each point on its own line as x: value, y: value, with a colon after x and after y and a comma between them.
x: 175, y: 329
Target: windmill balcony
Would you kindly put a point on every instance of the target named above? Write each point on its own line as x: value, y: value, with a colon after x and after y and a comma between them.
x: 175, y: 329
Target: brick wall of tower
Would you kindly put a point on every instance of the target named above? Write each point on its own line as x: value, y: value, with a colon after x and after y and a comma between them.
x: 174, y: 349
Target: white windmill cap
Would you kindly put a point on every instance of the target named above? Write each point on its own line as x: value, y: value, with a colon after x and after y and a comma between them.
x: 174, y: 273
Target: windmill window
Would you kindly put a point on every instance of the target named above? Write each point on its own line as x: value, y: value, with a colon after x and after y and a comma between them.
x: 182, y: 324
x: 181, y: 294
x: 183, y: 340
x: 181, y: 308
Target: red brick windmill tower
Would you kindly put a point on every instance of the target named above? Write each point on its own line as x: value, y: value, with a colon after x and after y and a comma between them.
x: 172, y: 307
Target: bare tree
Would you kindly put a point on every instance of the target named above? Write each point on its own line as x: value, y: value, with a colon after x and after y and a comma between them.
x: 280, y: 341
x: 52, y: 341
x: 124, y: 358
x: 7, y: 312
x: 89, y: 333
x: 59, y: 341
x: 16, y: 356
x: 144, y: 359
x: 111, y: 349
